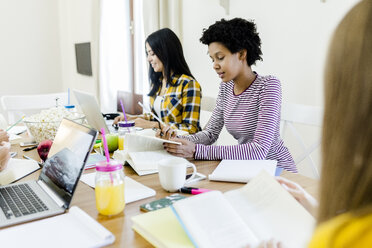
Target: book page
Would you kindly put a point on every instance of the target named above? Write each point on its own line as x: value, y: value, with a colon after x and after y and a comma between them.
x: 148, y: 160
x: 16, y: 169
x: 271, y: 212
x: 211, y: 221
x: 140, y: 143
x: 241, y: 171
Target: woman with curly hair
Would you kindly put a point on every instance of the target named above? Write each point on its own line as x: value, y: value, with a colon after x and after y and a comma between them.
x: 175, y: 95
x: 248, y: 104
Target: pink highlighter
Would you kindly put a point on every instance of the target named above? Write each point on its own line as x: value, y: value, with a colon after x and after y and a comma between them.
x: 193, y: 191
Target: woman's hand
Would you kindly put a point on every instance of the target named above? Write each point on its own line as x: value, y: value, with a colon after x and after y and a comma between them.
x: 121, y: 118
x: 4, y: 154
x: 304, y: 198
x: 4, y: 136
x: 185, y: 150
x: 166, y: 132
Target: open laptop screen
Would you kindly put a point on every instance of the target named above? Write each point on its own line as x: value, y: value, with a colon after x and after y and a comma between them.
x: 67, y: 157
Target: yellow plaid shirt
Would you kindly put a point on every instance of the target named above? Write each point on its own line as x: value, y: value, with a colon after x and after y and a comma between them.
x: 180, y: 106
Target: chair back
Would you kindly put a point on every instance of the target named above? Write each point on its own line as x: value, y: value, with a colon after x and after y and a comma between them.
x: 16, y: 106
x: 304, y: 123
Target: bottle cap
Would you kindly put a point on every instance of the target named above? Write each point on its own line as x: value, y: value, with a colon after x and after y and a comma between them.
x: 112, y: 166
x: 126, y: 124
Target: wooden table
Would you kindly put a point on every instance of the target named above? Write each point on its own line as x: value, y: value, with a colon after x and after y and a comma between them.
x: 120, y: 225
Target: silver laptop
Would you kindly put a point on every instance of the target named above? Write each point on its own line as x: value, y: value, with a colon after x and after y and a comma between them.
x: 52, y: 193
x: 91, y: 110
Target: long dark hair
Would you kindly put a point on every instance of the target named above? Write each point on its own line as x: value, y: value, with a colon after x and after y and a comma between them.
x: 167, y: 47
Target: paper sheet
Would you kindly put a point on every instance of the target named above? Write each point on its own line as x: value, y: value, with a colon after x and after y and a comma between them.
x: 73, y: 229
x: 241, y: 170
x: 133, y: 190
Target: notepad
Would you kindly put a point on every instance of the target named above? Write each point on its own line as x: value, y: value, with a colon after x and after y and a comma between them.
x: 133, y: 190
x: 73, y: 229
x: 258, y: 211
x: 16, y: 169
x: 241, y: 171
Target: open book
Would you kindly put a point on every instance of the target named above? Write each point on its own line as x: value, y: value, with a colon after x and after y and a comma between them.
x: 259, y: 211
x: 73, y: 229
x: 16, y: 169
x: 142, y: 152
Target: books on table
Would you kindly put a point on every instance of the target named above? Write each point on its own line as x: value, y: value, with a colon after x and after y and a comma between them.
x: 16, y: 169
x: 133, y: 190
x: 142, y: 153
x: 241, y: 171
x: 258, y: 211
x: 73, y: 229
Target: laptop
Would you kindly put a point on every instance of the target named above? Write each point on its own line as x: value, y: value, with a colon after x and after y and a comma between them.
x: 91, y: 110
x: 52, y: 193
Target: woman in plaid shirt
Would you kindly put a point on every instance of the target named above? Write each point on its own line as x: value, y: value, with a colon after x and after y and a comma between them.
x: 174, y: 95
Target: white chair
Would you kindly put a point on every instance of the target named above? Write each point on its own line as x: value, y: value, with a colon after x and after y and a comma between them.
x: 17, y: 106
x: 207, y: 106
x: 297, y: 118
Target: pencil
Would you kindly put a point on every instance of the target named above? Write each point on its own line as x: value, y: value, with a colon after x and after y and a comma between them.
x: 152, y: 114
x: 15, y: 123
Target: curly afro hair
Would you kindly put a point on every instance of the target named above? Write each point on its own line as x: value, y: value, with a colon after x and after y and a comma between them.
x: 235, y: 34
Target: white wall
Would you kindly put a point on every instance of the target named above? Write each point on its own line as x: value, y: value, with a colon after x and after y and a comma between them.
x: 30, y: 59
x: 79, y: 22
x: 294, y: 34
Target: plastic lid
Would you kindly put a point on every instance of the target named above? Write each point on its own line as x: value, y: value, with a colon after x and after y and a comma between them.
x: 113, y: 166
x: 126, y: 124
x: 69, y: 106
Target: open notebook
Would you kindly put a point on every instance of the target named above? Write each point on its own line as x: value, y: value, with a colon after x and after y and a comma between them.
x: 73, y: 229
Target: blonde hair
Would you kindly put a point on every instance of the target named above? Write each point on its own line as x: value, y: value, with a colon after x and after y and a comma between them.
x: 346, y: 182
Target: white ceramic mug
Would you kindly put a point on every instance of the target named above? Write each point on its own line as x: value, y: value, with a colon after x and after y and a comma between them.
x: 172, y: 173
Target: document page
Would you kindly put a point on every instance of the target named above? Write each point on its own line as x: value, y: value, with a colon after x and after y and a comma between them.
x: 211, y: 221
x: 271, y: 212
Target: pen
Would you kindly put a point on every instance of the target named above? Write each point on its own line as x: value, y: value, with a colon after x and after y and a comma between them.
x: 193, y: 191
x: 15, y: 123
x: 151, y: 113
x: 29, y: 148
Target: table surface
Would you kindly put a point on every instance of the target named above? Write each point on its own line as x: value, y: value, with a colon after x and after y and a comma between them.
x: 121, y: 224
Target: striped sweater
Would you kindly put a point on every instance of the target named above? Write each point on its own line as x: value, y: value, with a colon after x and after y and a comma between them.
x: 252, y: 118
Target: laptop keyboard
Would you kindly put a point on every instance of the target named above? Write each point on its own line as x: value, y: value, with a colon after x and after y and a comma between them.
x: 19, y: 200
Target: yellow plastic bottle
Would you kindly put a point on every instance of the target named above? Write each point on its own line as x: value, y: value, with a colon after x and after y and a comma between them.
x: 109, y: 188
